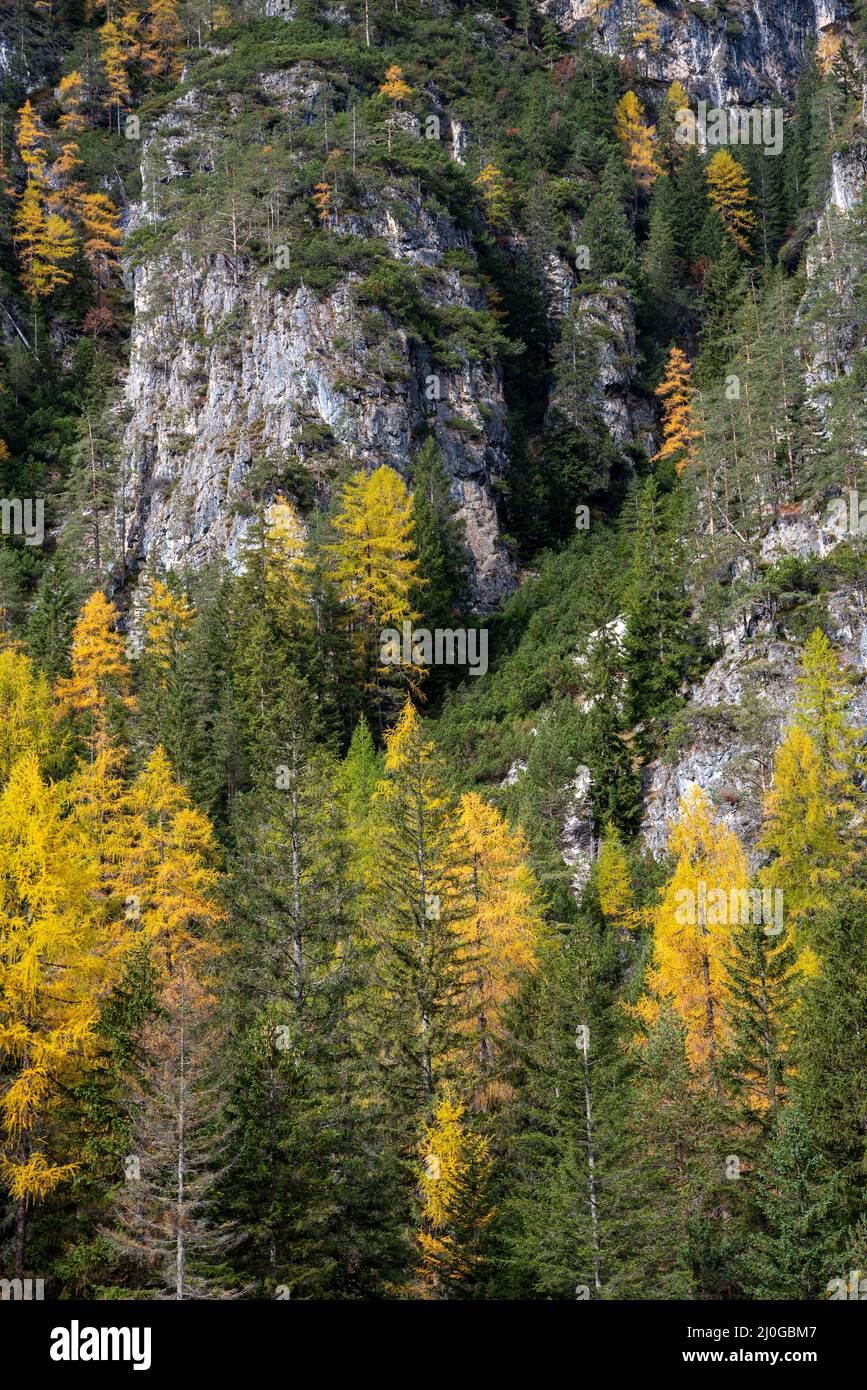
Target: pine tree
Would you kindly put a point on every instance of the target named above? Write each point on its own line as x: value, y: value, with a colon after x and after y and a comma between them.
x: 92, y: 537
x: 606, y: 231
x: 792, y: 1256
x: 161, y: 1214
x: 828, y: 1054
x: 658, y: 649
x: 759, y: 1000
x: 615, y: 786
x: 440, y: 548
x: 570, y: 1198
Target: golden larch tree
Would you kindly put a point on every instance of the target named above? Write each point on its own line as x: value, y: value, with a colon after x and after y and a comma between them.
x: 678, y: 428
x: 728, y: 189
x: 70, y: 96
x: 30, y: 137
x: 456, y: 1210
x: 288, y: 566
x: 692, y: 925
x: 503, y: 931
x: 616, y: 896
x: 638, y: 140
x: 48, y: 973
x: 374, y: 561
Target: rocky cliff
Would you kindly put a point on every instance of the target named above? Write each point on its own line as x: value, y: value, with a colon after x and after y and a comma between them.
x: 735, y: 52
x: 228, y: 368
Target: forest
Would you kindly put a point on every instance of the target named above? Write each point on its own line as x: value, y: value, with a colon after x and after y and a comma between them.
x: 433, y: 636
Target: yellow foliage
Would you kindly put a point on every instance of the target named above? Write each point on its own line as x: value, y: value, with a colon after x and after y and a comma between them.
x: 51, y: 969
x: 375, y: 566
x: 288, y: 567
x: 615, y: 888
x: 494, y: 190
x: 676, y: 394
x: 394, y: 86
x: 691, y: 925
x: 502, y: 933
x: 100, y: 678
x: 637, y: 138
x: 728, y: 189
x: 166, y: 619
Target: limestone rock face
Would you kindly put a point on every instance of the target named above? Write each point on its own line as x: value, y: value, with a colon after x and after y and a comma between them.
x: 227, y: 368
x: 737, y: 54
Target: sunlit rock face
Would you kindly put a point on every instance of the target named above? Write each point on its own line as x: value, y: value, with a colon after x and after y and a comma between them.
x: 738, y: 54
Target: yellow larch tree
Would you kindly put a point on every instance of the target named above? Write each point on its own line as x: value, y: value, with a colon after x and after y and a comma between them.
x: 670, y: 148
x: 165, y: 622
x: 67, y: 188
x: 288, y: 566
x: 374, y: 561
x: 456, y: 1209
x: 415, y: 905
x: 597, y: 10
x: 43, y: 242
x: 394, y: 87
x: 503, y: 932
x: 162, y: 41
x: 119, y: 49
x: 98, y: 687
x: 728, y: 190
x: 102, y: 237
x: 96, y: 696
x: 678, y: 428
x: 495, y: 193
x: 30, y: 137
x: 322, y: 200
x: 646, y: 35
x: 27, y: 721
x: 638, y: 140
x: 814, y: 812
x: 691, y: 926
x: 169, y: 874
x: 49, y: 967
x: 616, y: 896
x: 70, y: 96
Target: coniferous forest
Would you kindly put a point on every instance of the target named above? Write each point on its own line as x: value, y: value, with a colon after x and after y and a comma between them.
x: 433, y: 637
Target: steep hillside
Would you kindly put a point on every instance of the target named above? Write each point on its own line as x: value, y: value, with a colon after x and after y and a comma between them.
x: 433, y: 640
